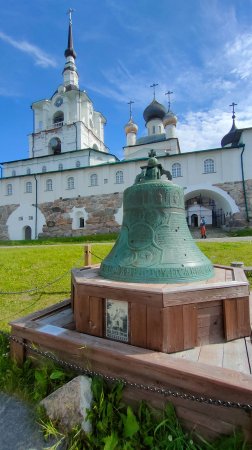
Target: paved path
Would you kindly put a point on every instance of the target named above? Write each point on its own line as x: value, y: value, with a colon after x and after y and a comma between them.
x: 18, y: 427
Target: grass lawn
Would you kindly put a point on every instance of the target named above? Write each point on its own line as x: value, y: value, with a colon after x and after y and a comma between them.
x: 37, y: 267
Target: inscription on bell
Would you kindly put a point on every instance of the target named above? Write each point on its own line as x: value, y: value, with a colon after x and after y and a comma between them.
x: 140, y: 236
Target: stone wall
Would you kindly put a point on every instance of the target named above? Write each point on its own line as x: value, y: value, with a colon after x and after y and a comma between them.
x: 235, y: 190
x: 5, y: 212
x: 101, y: 211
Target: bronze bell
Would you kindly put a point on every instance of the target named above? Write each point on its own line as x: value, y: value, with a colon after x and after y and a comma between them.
x: 155, y: 244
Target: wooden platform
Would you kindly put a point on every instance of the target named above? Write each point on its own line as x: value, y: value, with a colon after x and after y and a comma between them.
x: 217, y: 371
x: 163, y: 317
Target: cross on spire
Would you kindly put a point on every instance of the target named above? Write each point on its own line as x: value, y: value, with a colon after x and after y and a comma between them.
x: 169, y: 99
x: 69, y: 12
x: 233, y: 109
x: 154, y: 91
x: 130, y: 108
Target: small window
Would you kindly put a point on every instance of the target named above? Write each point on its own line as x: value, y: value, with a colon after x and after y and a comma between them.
x: 44, y: 169
x: 153, y: 129
x: 13, y: 173
x: 49, y: 186
x: 176, y: 170
x: 159, y: 129
x: 82, y: 222
x: 94, y: 179
x: 77, y: 164
x: 30, y: 217
x: 28, y: 171
x: 209, y: 165
x: 60, y: 166
x: 70, y: 183
x: 21, y: 218
x: 28, y: 187
x: 58, y: 118
x: 119, y: 177
x: 105, y: 180
x: 9, y: 189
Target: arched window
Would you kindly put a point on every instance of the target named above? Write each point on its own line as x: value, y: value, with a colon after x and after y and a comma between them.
x: 70, y: 183
x: 81, y: 222
x: 28, y: 187
x: 209, y: 165
x: 58, y: 118
x: 93, y: 179
x: 28, y: 171
x: 77, y: 164
x: 44, y: 169
x: 119, y: 177
x: 54, y: 146
x: 176, y: 170
x: 9, y: 189
x: 13, y: 173
x: 60, y: 166
x: 49, y: 186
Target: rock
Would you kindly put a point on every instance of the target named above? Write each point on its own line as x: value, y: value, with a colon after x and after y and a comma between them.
x: 68, y: 404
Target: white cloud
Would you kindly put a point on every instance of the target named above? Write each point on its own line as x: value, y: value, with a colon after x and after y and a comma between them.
x: 40, y: 57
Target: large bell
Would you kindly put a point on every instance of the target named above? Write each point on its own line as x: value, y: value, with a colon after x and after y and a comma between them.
x: 155, y: 244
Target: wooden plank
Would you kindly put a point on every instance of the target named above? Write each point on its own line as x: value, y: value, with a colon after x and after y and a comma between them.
x: 44, y: 312
x: 190, y: 355
x: 212, y: 354
x: 61, y: 318
x: 82, y: 313
x: 210, y: 323
x: 17, y: 350
x: 189, y: 326
x: 230, y: 319
x: 96, y: 316
x: 235, y: 356
x: 154, y: 321
x: 114, y: 293
x: 143, y: 366
x: 138, y: 331
x: 243, y: 319
x: 173, y: 329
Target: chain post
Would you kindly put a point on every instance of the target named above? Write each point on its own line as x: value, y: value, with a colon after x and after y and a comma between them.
x: 87, y: 255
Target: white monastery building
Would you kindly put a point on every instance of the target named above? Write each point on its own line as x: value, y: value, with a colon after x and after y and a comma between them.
x: 71, y: 185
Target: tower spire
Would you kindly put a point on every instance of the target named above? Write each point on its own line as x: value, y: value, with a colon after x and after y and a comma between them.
x: 70, y: 50
x: 70, y: 73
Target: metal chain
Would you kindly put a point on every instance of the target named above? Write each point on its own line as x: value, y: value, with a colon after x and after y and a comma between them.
x: 96, y: 256
x: 157, y: 390
x: 37, y: 289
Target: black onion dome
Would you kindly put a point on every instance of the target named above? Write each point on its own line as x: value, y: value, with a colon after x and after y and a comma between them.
x: 232, y: 137
x: 154, y: 111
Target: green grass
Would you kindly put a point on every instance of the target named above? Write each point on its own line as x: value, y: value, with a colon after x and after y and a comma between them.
x: 25, y: 268
x: 243, y: 232
x: 62, y: 240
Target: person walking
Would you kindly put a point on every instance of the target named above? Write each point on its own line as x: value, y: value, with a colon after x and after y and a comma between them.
x: 203, y: 228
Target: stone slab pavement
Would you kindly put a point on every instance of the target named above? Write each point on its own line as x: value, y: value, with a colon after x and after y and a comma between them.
x: 18, y: 427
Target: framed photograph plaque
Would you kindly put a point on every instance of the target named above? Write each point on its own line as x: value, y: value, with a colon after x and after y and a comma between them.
x: 117, y: 320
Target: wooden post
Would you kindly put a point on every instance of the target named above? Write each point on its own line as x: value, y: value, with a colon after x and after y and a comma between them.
x: 87, y: 255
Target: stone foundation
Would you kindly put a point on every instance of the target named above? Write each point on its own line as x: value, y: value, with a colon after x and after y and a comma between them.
x: 5, y: 212
x: 236, y: 191
x: 101, y: 212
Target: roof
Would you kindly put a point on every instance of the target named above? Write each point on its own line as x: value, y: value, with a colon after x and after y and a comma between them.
x: 150, y: 139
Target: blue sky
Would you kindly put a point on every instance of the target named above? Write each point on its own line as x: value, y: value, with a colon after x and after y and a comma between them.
x: 199, y: 49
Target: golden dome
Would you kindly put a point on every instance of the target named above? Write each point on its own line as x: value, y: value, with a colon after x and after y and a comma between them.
x: 169, y: 119
x: 131, y: 127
